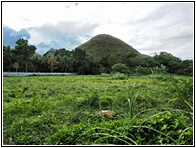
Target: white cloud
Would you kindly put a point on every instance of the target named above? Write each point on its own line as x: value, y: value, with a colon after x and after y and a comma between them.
x: 67, y: 34
x: 147, y: 26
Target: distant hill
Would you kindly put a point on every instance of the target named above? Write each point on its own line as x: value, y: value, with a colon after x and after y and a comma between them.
x: 107, y: 47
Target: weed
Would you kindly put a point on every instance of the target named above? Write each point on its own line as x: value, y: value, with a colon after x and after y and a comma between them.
x: 61, y: 110
x: 132, y: 96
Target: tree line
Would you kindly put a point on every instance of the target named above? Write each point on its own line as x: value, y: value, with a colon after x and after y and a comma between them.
x: 24, y: 58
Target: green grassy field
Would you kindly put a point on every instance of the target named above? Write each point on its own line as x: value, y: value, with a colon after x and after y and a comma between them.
x: 61, y: 110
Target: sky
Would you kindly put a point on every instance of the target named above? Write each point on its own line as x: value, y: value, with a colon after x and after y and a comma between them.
x: 149, y: 27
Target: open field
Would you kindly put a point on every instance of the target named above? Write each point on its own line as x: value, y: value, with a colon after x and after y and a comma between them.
x: 62, y: 110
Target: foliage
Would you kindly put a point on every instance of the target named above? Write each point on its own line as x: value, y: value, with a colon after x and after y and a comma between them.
x: 8, y: 58
x: 62, y: 110
x: 119, y: 67
x: 105, y: 75
x: 184, y: 89
x: 160, y: 129
x: 16, y: 65
x: 119, y: 76
x: 101, y: 54
x: 186, y: 68
x: 174, y: 64
x: 132, y: 96
x: 159, y: 69
x: 23, y: 52
x: 108, y: 47
x: 52, y: 62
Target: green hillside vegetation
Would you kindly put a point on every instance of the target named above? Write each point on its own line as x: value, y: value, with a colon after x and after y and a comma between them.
x: 108, y: 47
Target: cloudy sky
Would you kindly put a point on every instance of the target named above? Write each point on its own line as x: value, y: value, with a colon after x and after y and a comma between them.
x: 149, y: 27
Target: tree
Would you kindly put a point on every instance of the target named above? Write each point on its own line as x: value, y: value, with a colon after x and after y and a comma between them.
x: 171, y: 62
x: 159, y: 69
x: 138, y: 69
x: 36, y: 61
x: 23, y: 52
x: 65, y: 64
x: 106, y: 68
x: 8, y: 58
x: 16, y: 65
x: 78, y: 57
x: 64, y: 60
x: 52, y: 62
x: 186, y: 67
x: 119, y: 67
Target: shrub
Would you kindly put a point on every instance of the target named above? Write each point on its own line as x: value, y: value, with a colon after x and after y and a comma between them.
x: 119, y: 76
x: 162, y: 128
x: 105, y: 75
x: 122, y: 68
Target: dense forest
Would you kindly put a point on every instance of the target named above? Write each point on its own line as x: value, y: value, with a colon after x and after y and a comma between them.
x: 24, y: 58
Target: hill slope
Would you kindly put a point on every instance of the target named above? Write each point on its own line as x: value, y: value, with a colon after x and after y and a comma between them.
x: 108, y: 47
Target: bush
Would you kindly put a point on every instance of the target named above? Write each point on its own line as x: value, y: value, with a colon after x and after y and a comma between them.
x: 167, y: 127
x: 119, y: 76
x: 106, y: 102
x: 122, y: 68
x: 91, y: 101
x: 159, y: 129
x: 105, y: 75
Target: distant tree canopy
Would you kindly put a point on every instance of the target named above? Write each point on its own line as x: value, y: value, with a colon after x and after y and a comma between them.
x: 23, y: 52
x: 174, y: 64
x: 23, y: 58
x: 122, y: 68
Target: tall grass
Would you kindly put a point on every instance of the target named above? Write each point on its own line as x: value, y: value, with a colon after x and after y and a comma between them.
x: 132, y: 96
x: 68, y: 116
x: 184, y: 89
x: 105, y: 134
x: 99, y: 100
x: 174, y: 113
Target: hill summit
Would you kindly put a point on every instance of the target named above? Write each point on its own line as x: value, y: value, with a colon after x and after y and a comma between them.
x: 108, y: 47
